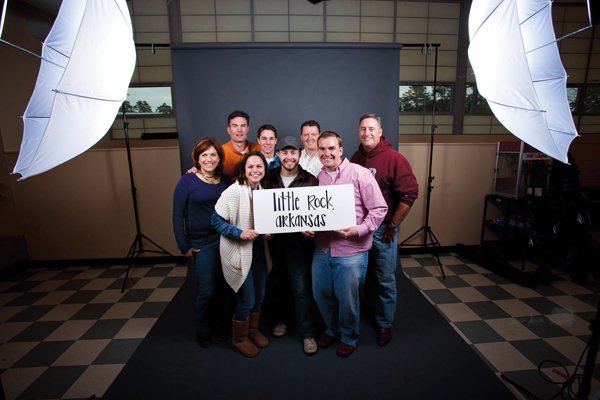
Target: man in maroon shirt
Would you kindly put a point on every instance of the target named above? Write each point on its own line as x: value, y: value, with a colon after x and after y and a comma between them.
x: 400, y: 190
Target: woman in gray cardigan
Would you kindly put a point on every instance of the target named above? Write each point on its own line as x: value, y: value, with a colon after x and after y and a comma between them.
x: 243, y: 253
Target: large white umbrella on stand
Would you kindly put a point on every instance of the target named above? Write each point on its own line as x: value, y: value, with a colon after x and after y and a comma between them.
x: 518, y: 70
x: 87, y: 62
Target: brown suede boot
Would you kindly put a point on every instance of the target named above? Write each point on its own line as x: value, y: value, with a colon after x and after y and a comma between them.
x: 254, y: 334
x: 240, y: 341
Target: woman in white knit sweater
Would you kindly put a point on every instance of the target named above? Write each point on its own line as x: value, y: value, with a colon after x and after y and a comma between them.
x: 243, y: 255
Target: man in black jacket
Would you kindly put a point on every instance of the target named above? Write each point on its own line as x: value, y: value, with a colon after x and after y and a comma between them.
x: 292, y: 253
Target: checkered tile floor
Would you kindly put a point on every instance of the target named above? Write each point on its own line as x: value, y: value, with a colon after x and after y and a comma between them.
x: 67, y: 333
x: 514, y: 328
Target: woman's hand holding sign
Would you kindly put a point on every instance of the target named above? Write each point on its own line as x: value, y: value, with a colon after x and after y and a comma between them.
x: 250, y: 234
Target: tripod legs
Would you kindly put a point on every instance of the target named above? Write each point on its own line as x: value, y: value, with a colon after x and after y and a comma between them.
x: 137, y: 248
x: 428, y: 240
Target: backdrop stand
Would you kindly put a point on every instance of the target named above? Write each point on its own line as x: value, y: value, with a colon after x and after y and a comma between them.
x: 137, y: 246
x: 430, y: 241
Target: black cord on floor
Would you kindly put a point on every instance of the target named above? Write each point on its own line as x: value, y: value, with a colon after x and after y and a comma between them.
x: 568, y: 386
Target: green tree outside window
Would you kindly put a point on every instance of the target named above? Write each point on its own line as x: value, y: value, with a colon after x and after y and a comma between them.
x: 419, y: 98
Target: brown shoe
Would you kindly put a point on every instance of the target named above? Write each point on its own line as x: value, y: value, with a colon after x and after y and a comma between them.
x: 239, y: 339
x: 254, y: 334
x: 384, y: 335
x: 344, y: 350
x: 325, y: 341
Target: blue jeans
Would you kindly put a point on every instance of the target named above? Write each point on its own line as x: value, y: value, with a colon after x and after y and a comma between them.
x: 207, y: 266
x: 250, y: 296
x: 383, y: 258
x: 337, y: 283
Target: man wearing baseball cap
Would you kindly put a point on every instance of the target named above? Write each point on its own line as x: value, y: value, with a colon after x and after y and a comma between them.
x: 292, y: 253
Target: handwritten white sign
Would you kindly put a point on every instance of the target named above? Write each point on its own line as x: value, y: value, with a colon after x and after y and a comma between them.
x: 315, y: 208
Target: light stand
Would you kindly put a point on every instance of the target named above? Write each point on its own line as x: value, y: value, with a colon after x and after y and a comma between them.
x: 429, y: 238
x: 137, y: 246
x: 590, y: 362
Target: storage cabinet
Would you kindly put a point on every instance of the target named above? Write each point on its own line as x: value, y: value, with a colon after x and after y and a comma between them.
x: 507, y: 226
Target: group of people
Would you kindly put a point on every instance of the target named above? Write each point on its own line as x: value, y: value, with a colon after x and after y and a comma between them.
x: 213, y: 223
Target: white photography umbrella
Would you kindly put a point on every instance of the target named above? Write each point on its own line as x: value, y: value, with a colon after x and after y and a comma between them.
x: 87, y: 62
x: 2, y: 18
x: 518, y: 70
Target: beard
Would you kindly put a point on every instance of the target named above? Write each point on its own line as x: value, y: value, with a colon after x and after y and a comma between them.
x: 285, y: 166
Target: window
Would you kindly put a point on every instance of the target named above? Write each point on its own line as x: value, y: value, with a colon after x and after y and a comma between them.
x: 591, y: 101
x: 572, y: 93
x: 419, y: 98
x: 152, y: 113
x: 475, y: 104
x: 148, y: 101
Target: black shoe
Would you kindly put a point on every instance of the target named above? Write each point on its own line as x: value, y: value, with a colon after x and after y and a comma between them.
x: 220, y: 334
x: 384, y: 335
x: 203, y: 341
x: 344, y: 350
x: 325, y: 340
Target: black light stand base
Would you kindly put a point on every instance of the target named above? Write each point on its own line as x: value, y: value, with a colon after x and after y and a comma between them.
x: 136, y: 249
x: 590, y: 362
x: 429, y: 242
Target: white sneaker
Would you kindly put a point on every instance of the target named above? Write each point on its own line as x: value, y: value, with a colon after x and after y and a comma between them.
x: 310, y: 346
x: 280, y: 330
